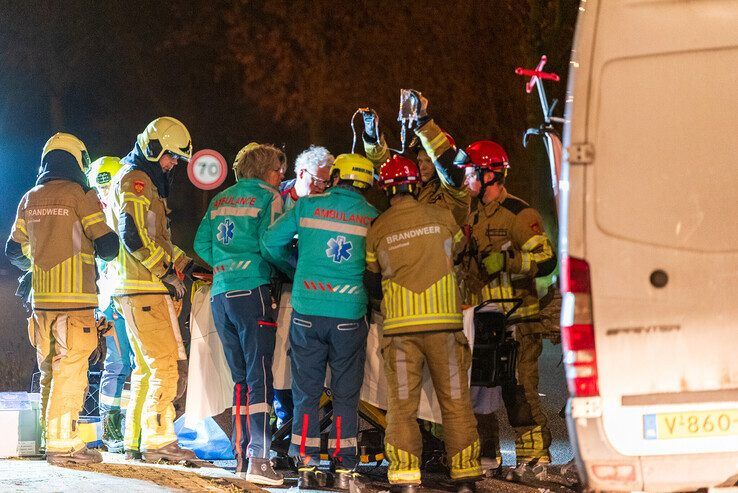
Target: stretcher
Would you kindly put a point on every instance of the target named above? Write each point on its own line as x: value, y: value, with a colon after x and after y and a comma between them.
x: 210, y: 387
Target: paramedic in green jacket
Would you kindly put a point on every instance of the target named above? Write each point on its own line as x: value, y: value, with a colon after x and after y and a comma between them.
x: 329, y: 323
x: 228, y: 240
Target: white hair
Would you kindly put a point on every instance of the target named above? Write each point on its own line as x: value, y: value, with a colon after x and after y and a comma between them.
x: 312, y: 158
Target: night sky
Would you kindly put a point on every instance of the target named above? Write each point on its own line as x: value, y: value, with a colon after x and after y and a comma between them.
x: 290, y: 73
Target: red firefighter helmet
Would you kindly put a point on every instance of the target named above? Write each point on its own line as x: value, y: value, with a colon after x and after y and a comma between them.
x: 485, y: 155
x: 398, y: 170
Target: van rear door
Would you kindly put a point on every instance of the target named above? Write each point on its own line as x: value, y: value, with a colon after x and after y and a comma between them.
x: 661, y: 223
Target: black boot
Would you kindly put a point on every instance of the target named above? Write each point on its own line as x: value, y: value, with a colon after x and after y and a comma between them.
x: 283, y: 462
x: 133, y: 455
x: 312, y: 478
x: 343, y: 478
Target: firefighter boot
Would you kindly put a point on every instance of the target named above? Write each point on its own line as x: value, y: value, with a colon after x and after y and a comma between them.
x: 169, y: 453
x: 466, y: 487
x: 313, y: 478
x: 81, y: 456
x: 133, y: 455
x: 344, y: 478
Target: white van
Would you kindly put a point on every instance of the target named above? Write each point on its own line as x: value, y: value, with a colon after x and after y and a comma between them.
x: 649, y: 244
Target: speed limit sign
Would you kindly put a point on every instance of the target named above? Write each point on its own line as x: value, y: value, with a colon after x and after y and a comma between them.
x: 207, y: 169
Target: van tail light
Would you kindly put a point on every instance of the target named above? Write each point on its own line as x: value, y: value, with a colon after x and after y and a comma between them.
x: 577, y: 329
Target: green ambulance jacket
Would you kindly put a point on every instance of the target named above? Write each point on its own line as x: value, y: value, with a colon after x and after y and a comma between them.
x: 332, y: 229
x: 228, y: 236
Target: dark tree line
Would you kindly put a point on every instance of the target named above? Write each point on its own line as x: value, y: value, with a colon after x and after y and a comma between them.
x: 290, y: 72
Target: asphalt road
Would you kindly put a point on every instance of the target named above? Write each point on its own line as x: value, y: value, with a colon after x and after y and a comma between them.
x: 16, y: 369
x: 552, y: 388
x: 553, y: 392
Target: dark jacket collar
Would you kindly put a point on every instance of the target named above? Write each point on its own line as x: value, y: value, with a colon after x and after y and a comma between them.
x: 61, y: 165
x: 136, y: 160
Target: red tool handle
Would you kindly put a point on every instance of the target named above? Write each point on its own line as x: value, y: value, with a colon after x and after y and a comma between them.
x: 536, y: 73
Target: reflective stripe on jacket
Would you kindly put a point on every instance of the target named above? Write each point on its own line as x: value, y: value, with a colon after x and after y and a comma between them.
x: 56, y: 225
x: 412, y: 246
x: 331, y: 229
x: 228, y: 236
x: 146, y: 253
x: 511, y: 226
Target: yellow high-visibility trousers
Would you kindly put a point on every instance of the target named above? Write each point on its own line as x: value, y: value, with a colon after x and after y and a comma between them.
x: 151, y: 330
x: 63, y: 342
x: 448, y: 357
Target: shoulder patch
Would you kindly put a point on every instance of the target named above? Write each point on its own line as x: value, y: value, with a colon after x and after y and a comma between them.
x: 138, y: 186
x: 516, y: 206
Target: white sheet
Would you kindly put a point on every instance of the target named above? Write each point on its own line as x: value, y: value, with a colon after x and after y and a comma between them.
x: 210, y: 386
x: 209, y: 383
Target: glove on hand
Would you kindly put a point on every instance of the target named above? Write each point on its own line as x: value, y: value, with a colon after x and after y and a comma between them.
x: 103, y: 325
x: 494, y: 262
x: 371, y: 125
x: 175, y: 285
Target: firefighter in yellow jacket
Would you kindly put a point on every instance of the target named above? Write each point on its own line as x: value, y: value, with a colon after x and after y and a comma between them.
x: 149, y: 271
x: 59, y: 230
x: 508, y: 249
x: 441, y: 183
x: 410, y: 249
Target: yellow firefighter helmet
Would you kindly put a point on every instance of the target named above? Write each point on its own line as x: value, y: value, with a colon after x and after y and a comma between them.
x: 103, y: 170
x: 165, y: 134
x: 354, y: 167
x: 61, y: 141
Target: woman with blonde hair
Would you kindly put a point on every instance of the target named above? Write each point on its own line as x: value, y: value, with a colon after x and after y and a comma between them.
x: 228, y: 240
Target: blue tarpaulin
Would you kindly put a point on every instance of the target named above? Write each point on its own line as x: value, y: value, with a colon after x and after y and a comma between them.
x: 207, y: 439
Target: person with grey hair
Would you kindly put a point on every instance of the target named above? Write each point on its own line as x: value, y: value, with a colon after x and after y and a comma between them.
x: 312, y: 173
x: 228, y: 240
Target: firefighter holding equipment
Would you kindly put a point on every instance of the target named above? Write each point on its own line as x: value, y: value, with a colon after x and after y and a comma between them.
x: 119, y: 355
x: 329, y: 325
x: 59, y: 230
x: 228, y: 240
x: 441, y: 182
x: 149, y: 271
x: 410, y: 248
x: 509, y: 249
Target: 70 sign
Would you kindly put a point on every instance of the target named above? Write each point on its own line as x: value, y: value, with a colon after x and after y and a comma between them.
x: 207, y: 169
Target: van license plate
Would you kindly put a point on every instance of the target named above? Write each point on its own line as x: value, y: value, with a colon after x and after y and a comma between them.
x: 690, y: 425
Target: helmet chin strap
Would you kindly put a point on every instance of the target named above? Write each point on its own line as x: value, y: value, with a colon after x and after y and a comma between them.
x: 498, y: 177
